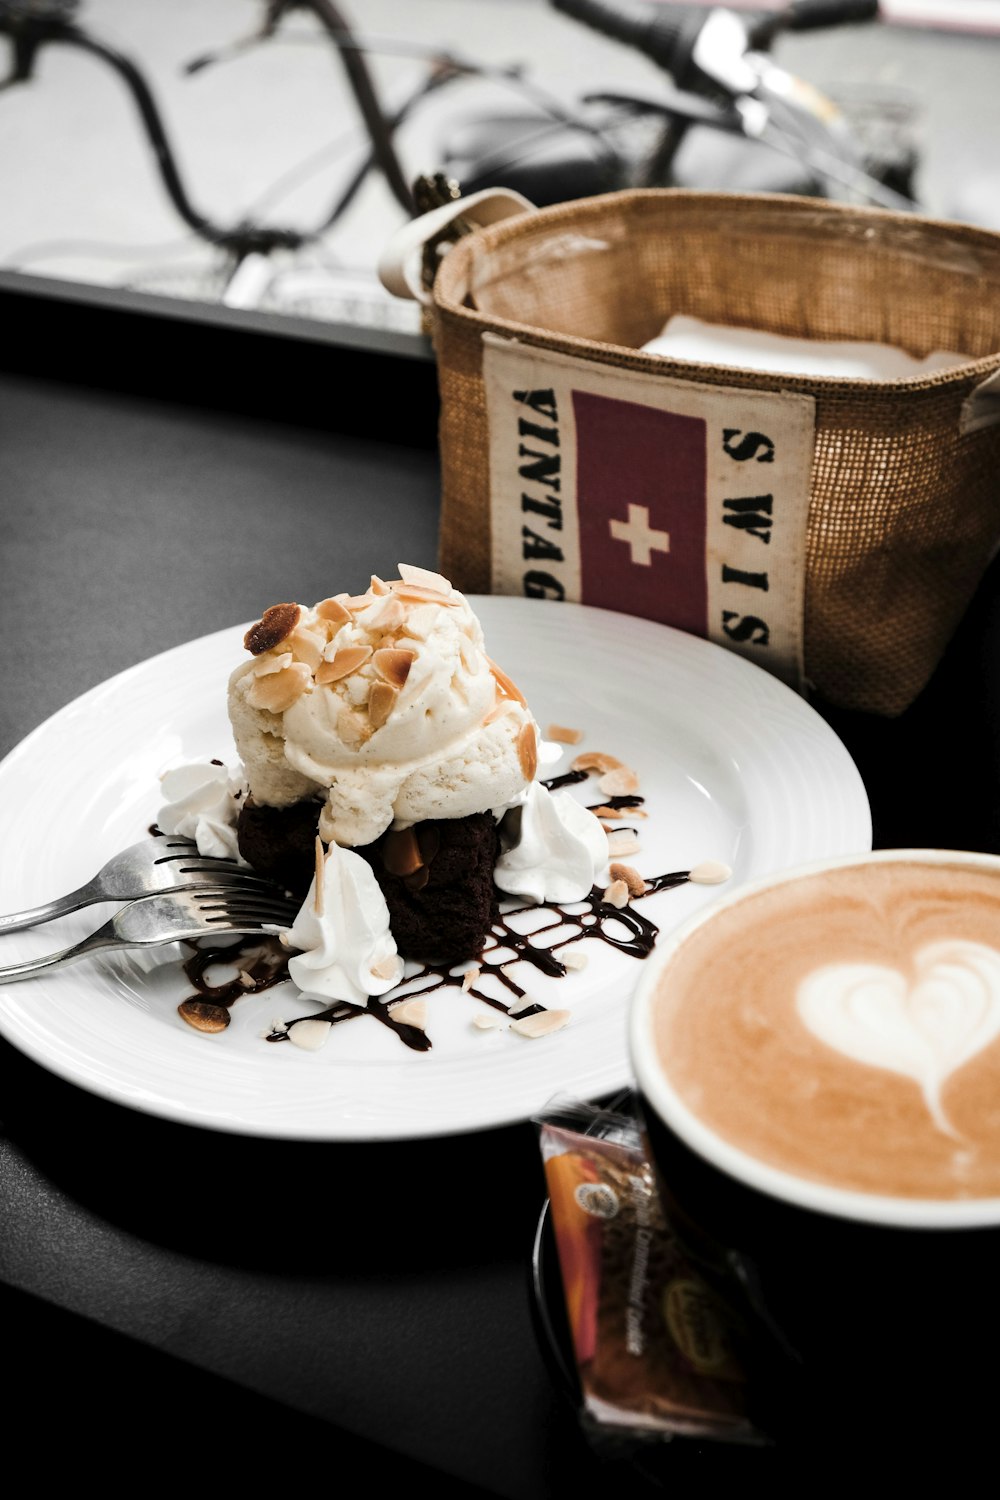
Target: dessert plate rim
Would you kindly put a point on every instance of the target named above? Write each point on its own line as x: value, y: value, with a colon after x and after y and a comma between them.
x: 734, y: 765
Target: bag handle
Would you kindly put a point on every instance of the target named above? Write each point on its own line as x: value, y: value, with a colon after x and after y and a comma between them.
x: 400, y: 266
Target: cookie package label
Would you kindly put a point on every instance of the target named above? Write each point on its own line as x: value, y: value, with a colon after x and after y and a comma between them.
x: 682, y: 503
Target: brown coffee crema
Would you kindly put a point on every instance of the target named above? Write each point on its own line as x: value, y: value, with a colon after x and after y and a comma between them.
x: 845, y: 1027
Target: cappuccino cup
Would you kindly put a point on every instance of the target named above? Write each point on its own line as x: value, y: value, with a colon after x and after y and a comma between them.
x: 817, y: 1066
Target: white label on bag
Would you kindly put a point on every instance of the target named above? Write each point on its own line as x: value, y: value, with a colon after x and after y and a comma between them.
x: 682, y: 503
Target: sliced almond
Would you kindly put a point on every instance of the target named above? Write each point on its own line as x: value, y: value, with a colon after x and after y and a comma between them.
x: 620, y: 782
x: 487, y: 1020
x: 633, y: 880
x: 352, y: 728
x: 400, y: 851
x: 279, y: 690
x: 394, y: 664
x: 541, y: 1023
x: 616, y: 894
x: 318, y: 878
x: 271, y: 661
x: 388, y: 967
x: 595, y: 760
x: 310, y: 1034
x: 272, y: 627
x: 415, y: 593
x: 307, y: 647
x: 334, y: 610
x: 424, y: 578
x: 385, y: 615
x: 563, y: 735
x: 508, y: 688
x: 622, y: 841
x: 710, y: 872
x: 203, y: 1015
x: 470, y: 976
x: 527, y: 751
x: 411, y: 1013
x: 615, y: 814
x: 378, y: 585
x: 501, y: 706
x: 345, y: 661
x: 381, y: 702
x: 573, y: 958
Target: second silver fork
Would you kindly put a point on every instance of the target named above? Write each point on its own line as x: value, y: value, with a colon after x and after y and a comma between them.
x: 171, y: 917
x: 163, y: 863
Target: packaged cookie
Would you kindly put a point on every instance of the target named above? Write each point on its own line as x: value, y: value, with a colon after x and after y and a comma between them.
x: 657, y: 1349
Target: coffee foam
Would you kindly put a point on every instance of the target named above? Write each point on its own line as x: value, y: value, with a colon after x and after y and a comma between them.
x: 844, y: 1027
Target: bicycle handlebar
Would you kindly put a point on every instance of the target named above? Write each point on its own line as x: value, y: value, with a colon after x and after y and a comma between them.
x: 666, y: 34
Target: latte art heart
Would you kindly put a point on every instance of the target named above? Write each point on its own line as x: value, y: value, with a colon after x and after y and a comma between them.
x: 925, y: 1028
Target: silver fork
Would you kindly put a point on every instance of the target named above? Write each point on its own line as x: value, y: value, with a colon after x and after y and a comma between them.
x: 165, y: 863
x: 171, y: 917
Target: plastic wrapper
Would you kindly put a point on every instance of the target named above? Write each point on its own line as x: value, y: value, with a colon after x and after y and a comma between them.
x: 658, y: 1353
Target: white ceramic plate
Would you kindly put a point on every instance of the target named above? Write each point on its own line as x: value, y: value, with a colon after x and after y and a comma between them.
x: 733, y: 767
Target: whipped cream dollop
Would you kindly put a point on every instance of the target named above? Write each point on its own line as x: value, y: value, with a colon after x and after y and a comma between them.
x: 387, y: 703
x: 203, y: 803
x: 556, y: 849
x: 345, y: 950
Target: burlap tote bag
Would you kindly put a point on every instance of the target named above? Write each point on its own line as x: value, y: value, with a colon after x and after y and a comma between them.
x: 830, y: 529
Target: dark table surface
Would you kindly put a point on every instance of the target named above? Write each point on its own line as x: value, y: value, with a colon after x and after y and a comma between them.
x: 246, y: 1307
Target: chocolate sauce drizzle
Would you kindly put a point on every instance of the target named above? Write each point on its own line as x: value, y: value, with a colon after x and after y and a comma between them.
x: 262, y: 963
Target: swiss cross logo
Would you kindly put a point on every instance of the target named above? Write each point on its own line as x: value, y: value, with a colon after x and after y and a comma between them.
x: 641, y: 498
x: 650, y: 495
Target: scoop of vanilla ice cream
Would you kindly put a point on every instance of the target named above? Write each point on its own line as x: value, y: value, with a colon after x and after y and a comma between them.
x: 387, y: 703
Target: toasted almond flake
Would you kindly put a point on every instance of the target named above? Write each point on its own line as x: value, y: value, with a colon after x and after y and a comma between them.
x: 541, y: 1024
x: 378, y: 586
x: 246, y: 980
x: 470, y: 976
x: 357, y: 601
x: 272, y: 661
x: 345, y: 661
x: 424, y: 578
x: 203, y: 1015
x: 508, y: 688
x: 272, y: 628
x: 307, y: 646
x: 710, y: 872
x: 320, y: 867
x: 385, y: 615
x: 525, y: 1003
x: 615, y: 814
x: 388, y: 967
x: 622, y: 841
x: 413, y: 593
x: 381, y: 702
x: 636, y: 884
x: 394, y: 664
x: 334, y: 610
x: 279, y: 690
x: 501, y: 706
x: 563, y: 735
x: 487, y: 1021
x: 619, y: 783
x: 309, y: 1035
x: 527, y: 751
x: 352, y: 728
x: 616, y: 894
x: 411, y: 1013
x: 574, y: 958
x: 595, y: 760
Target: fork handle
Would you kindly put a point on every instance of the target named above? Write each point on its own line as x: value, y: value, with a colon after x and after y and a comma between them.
x: 35, y: 915
x: 104, y: 937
